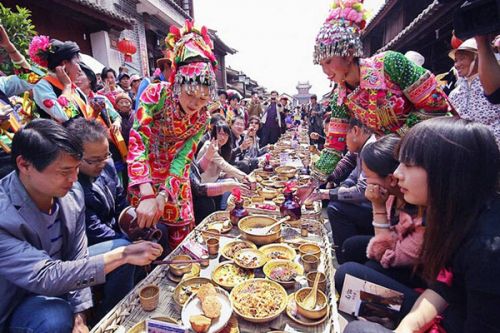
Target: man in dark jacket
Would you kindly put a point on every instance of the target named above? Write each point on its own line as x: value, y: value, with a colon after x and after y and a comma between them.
x: 105, y: 197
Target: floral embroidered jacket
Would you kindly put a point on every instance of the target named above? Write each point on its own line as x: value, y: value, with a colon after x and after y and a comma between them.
x: 162, y: 144
x: 47, y: 96
x: 393, y: 95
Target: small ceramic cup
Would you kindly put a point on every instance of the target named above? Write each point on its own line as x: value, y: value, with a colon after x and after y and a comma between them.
x: 213, y: 246
x: 322, y: 280
x: 310, y: 262
x: 149, y: 296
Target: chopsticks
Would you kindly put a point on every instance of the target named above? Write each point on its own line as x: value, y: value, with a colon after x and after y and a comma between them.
x: 218, y: 235
x: 177, y: 262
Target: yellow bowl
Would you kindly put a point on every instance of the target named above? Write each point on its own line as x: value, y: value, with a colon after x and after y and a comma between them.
x: 287, y: 171
x: 268, y: 193
x: 250, y: 258
x: 245, y: 296
x: 278, y: 251
x: 321, y: 304
x: 280, y: 264
x: 257, y: 199
x: 226, y: 249
x: 228, y: 274
x: 310, y: 249
x: 187, y: 287
x: 246, y: 224
x: 181, y: 269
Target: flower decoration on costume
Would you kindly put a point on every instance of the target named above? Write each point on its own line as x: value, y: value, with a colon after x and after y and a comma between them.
x: 340, y: 34
x: 38, y: 50
x: 193, y: 60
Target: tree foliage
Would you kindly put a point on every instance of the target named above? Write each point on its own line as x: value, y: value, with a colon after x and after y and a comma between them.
x: 20, y: 29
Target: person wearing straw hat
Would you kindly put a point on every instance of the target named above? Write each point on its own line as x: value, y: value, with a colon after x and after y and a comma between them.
x: 468, y: 97
x: 169, y: 122
x: 387, y: 92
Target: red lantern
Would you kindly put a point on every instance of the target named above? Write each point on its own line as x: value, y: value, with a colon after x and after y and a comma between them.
x: 127, y: 47
x: 455, y: 42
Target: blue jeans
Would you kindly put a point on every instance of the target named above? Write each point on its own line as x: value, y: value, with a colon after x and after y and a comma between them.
x: 348, y: 220
x: 42, y: 314
x: 225, y: 195
x: 118, y: 283
x: 365, y: 327
x: 368, y: 274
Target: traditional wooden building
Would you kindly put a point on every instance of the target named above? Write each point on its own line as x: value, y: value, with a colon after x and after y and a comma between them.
x: 424, y: 26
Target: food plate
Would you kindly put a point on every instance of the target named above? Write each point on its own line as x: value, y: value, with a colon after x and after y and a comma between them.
x: 250, y: 258
x: 193, y: 307
x: 188, y: 287
x: 291, y: 311
x: 278, y: 251
x: 229, y: 250
x: 140, y: 327
x: 259, y: 300
x: 228, y: 275
x: 222, y: 226
x: 283, y: 271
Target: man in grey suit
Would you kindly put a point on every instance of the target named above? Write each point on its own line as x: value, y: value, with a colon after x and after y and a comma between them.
x: 45, y: 270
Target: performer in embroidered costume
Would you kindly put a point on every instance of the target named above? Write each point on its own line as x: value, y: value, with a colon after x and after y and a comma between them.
x: 170, y: 121
x: 55, y: 94
x: 386, y: 92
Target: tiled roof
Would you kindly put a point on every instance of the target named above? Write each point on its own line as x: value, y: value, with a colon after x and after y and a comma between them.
x: 179, y: 9
x: 218, y: 41
x: 104, y: 11
x: 379, y: 15
x: 425, y: 15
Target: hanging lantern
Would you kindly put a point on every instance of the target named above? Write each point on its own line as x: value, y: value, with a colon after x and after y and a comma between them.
x: 127, y: 47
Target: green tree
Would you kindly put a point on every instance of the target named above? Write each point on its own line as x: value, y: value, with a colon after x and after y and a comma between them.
x: 20, y: 30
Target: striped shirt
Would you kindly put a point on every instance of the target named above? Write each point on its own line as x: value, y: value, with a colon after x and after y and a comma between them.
x: 52, y: 224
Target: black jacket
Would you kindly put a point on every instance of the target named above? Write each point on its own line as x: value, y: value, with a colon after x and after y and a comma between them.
x: 104, y: 201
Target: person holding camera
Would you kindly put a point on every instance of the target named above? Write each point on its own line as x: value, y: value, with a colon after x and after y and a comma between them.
x: 315, y: 116
x: 468, y: 98
x: 272, y: 121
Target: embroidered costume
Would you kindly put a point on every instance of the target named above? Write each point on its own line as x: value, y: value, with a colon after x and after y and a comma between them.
x: 393, y: 94
x: 163, y: 139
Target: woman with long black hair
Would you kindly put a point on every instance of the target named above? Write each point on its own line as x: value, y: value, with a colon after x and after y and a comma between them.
x: 451, y: 166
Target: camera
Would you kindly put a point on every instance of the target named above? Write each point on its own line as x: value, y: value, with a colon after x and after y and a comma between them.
x: 476, y: 17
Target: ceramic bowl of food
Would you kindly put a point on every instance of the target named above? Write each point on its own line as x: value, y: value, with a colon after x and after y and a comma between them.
x: 229, y: 250
x: 188, y: 287
x: 286, y: 171
x: 230, y: 203
x: 310, y: 249
x: 259, y: 300
x: 257, y: 199
x: 227, y: 275
x: 250, y: 227
x: 278, y: 251
x: 320, y: 309
x: 268, y: 193
x: 181, y: 269
x: 250, y: 258
x: 283, y: 271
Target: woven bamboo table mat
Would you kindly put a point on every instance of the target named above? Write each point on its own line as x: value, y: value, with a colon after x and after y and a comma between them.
x: 128, y: 312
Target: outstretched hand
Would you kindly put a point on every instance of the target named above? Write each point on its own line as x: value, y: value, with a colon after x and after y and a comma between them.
x: 4, y: 39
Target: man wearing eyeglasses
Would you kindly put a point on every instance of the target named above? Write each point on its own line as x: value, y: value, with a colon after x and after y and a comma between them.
x: 45, y: 266
x: 105, y: 199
